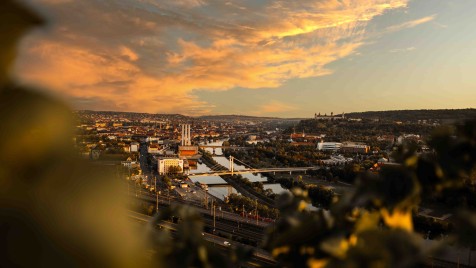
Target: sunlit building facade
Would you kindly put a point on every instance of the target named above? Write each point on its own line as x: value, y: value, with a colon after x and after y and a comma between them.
x: 164, y: 164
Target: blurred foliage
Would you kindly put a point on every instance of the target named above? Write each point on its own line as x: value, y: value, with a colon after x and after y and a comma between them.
x: 55, y: 210
x: 373, y: 225
x: 319, y: 196
x: 186, y: 246
x: 15, y: 20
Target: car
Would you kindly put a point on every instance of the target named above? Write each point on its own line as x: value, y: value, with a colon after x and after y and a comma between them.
x: 226, y: 243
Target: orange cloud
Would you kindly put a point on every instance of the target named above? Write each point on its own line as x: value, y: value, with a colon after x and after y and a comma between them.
x: 127, y: 52
x: 152, y: 56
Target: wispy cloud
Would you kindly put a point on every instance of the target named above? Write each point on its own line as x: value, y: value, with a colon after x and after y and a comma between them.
x: 153, y: 55
x: 440, y: 25
x: 410, y: 24
x: 398, y: 50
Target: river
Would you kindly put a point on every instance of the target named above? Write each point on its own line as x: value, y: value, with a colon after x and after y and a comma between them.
x: 220, y: 191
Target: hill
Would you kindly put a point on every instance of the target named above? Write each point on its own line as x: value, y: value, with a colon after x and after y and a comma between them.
x: 245, y: 118
x: 415, y: 115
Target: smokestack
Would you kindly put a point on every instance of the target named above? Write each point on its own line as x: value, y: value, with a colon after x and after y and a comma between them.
x: 189, y: 137
x: 186, y: 137
x: 183, y: 136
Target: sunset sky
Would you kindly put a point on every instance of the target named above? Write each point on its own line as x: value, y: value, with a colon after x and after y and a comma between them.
x: 254, y: 57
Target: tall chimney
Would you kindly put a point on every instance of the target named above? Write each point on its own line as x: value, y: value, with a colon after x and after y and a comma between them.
x: 183, y: 136
x: 189, y: 137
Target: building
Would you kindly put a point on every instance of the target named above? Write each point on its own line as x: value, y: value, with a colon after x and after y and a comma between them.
x: 154, y: 139
x: 134, y: 147
x: 331, y: 117
x: 186, y: 150
x: 153, y: 148
x: 164, y: 165
x: 129, y: 163
x: 354, y: 147
x: 329, y: 146
x: 296, y: 136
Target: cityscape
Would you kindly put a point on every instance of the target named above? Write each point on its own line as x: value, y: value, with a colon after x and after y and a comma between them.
x: 232, y: 169
x: 204, y: 133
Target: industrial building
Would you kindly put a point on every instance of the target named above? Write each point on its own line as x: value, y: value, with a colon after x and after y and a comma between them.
x: 186, y: 137
x: 186, y: 150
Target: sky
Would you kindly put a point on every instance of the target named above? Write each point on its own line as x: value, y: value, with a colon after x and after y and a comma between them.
x: 253, y: 57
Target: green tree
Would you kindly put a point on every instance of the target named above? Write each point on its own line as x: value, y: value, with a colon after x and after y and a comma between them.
x: 174, y: 169
x: 167, y: 181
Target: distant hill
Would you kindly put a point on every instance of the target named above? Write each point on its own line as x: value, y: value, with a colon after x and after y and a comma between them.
x: 447, y: 115
x: 179, y: 117
x: 244, y: 117
x: 414, y: 115
x: 135, y: 114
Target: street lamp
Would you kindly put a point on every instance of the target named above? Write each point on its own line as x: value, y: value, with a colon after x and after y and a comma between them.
x: 168, y: 194
x: 214, y: 213
x: 211, y: 208
x: 256, y: 210
x: 156, y: 195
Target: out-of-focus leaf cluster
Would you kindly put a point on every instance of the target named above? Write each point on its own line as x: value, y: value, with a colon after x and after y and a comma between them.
x: 372, y: 226
x: 186, y: 246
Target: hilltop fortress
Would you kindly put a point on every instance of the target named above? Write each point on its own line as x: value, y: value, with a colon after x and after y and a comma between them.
x: 331, y: 117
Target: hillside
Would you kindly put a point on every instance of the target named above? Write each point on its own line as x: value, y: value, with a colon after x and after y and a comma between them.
x: 414, y: 115
x: 245, y: 118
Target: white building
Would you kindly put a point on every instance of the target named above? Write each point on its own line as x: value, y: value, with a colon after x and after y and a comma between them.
x: 328, y: 146
x: 154, y: 139
x: 129, y: 163
x: 164, y: 164
x: 134, y: 147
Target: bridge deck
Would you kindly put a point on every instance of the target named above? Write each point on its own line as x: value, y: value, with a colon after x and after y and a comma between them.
x: 224, y: 147
x: 244, y: 171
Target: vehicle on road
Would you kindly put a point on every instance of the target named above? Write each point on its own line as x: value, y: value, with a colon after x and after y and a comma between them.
x: 226, y: 243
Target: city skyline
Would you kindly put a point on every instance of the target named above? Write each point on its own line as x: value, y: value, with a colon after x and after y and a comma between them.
x: 261, y: 58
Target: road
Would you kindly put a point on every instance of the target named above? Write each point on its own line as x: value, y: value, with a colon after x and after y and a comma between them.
x: 146, y: 169
x: 164, y: 200
x: 260, y: 257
